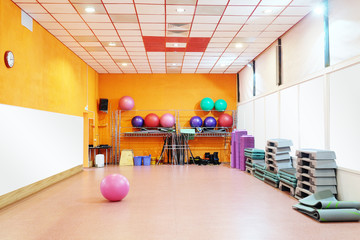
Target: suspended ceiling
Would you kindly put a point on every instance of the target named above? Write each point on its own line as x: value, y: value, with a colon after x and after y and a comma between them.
x: 167, y: 36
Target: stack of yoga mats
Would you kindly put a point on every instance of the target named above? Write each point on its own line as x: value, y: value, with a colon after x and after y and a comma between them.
x: 315, y: 172
x: 253, y: 156
x: 287, y: 177
x: 277, y: 156
x: 246, y: 141
x: 235, y: 148
x: 259, y: 172
x: 324, y: 207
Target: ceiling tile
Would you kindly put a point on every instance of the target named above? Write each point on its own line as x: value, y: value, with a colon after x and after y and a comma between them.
x: 201, y: 34
x: 51, y: 25
x: 117, y: 1
x: 179, y: 18
x: 209, y: 10
x: 32, y: 8
x: 305, y: 2
x: 239, y: 10
x: 65, y: 38
x: 118, y: 44
x: 99, y: 8
x: 90, y: 44
x: 203, y: 27
x: 58, y: 32
x: 90, y: 38
x: 152, y: 26
x: 150, y: 9
x: 212, y: 2
x: 267, y: 10
x: 124, y: 18
x: 229, y: 27
x: 100, y: 25
x: 26, y: 1
x: 153, y: 33
x: 131, y: 38
x: 278, y: 28
x: 133, y: 26
x: 59, y: 8
x: 260, y: 20
x: 67, y: 17
x: 120, y: 8
x: 133, y: 44
x: 296, y: 11
x: 219, y: 34
x: 97, y: 18
x: 79, y: 25
x: 286, y: 20
x: 244, y: 34
x: 244, y: 2
x: 253, y: 27
x: 275, y: 2
x: 105, y: 32
x: 206, y: 19
x: 108, y: 38
x: 82, y: 1
x: 220, y: 39
x: 234, y: 19
x: 129, y: 32
x: 181, y: 2
x: 152, y: 18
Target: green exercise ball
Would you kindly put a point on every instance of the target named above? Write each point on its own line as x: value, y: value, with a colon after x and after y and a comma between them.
x: 220, y: 105
x: 207, y: 104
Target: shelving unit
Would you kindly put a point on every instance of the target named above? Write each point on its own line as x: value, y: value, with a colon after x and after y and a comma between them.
x: 122, y: 131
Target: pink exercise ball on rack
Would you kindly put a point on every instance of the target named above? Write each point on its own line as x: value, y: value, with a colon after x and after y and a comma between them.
x: 167, y: 120
x: 126, y: 103
x: 225, y: 120
x: 114, y: 187
x: 152, y: 120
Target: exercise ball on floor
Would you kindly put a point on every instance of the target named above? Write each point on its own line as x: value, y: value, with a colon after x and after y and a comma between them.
x: 167, y: 120
x: 126, y: 103
x: 210, y: 122
x: 225, y: 120
x: 152, y: 120
x: 195, y: 122
x: 207, y: 104
x: 137, y: 121
x: 220, y: 105
x: 114, y: 187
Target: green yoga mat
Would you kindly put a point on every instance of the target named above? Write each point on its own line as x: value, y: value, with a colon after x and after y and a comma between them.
x: 324, y: 207
x: 293, y: 184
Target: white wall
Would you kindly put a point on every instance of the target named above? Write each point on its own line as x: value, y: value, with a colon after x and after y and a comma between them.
x: 246, y: 87
x: 266, y: 71
x: 50, y: 143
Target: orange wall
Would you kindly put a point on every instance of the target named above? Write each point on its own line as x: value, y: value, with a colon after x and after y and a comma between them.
x: 46, y: 75
x: 165, y: 92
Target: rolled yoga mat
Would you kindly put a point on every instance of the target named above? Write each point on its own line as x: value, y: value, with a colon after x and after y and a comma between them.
x: 233, y: 153
x: 238, y: 135
x: 246, y: 141
x: 324, y: 207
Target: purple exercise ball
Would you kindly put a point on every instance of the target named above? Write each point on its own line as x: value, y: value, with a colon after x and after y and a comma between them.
x: 137, y: 121
x: 114, y: 187
x: 196, y: 121
x: 210, y: 122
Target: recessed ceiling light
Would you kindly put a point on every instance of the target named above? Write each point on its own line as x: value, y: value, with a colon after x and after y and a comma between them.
x: 176, y: 44
x: 319, y: 9
x: 112, y: 44
x: 124, y: 64
x: 90, y: 9
x: 249, y: 65
x: 268, y: 11
x: 174, y: 64
x: 223, y: 65
x: 239, y: 45
x: 180, y: 10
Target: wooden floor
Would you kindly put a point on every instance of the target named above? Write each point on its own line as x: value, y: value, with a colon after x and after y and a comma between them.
x: 166, y: 202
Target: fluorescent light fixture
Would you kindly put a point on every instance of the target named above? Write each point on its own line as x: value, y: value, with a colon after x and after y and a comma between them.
x: 239, y: 45
x: 90, y: 9
x: 112, y: 44
x: 176, y: 44
x: 319, y: 9
x: 124, y: 64
x: 180, y: 10
x: 268, y: 11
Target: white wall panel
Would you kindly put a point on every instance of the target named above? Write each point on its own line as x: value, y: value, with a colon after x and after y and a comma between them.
x: 249, y: 117
x: 265, y: 71
x: 272, y: 116
x: 345, y: 116
x: 311, y: 114
x: 246, y: 84
x: 36, y: 144
x: 303, y: 49
x: 259, y: 123
x: 289, y: 114
x: 241, y: 117
x: 344, y: 29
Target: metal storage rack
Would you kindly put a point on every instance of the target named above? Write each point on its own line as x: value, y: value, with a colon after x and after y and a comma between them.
x: 119, y: 131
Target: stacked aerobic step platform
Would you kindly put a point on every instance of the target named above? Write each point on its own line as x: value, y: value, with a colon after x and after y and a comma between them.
x: 277, y: 156
x: 253, y: 156
x: 287, y: 177
x: 315, y: 172
x: 259, y: 171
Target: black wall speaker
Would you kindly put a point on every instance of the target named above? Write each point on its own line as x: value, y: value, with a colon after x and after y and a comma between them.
x: 103, y: 105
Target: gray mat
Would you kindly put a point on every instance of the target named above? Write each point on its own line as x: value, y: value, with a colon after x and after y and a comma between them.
x: 316, y: 180
x: 316, y: 172
x: 286, y: 187
x: 290, y: 172
x: 317, y: 188
x: 279, y: 143
x: 320, y: 164
x: 277, y: 157
x: 315, y: 154
x: 276, y: 150
x: 324, y: 207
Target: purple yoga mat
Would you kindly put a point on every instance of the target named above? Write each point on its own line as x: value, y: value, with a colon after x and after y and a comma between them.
x: 238, y: 134
x: 233, y: 153
x: 246, y: 141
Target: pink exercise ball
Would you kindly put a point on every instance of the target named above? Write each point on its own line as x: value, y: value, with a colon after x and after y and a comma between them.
x: 167, y: 120
x: 225, y: 120
x: 152, y: 120
x: 126, y: 103
x: 114, y: 187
